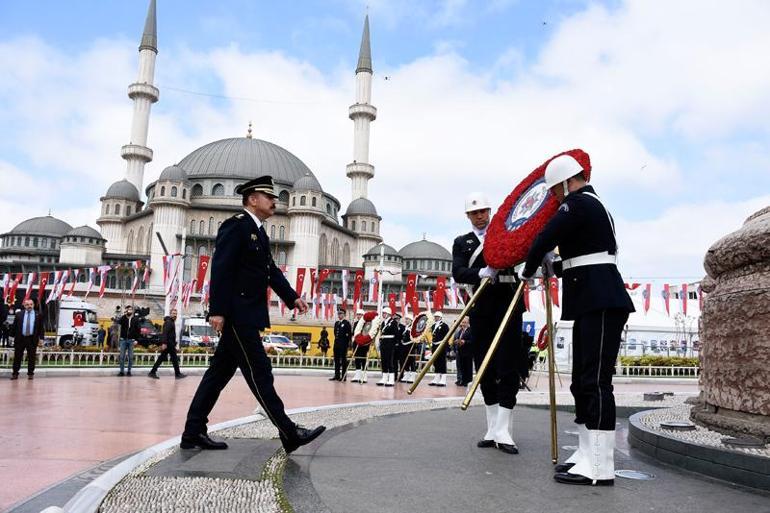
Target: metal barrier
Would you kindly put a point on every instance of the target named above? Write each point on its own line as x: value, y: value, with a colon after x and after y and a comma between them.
x: 52, y: 359
x: 661, y: 372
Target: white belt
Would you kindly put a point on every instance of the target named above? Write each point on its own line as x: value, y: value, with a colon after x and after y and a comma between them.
x: 388, y: 336
x: 593, y: 259
x: 506, y: 278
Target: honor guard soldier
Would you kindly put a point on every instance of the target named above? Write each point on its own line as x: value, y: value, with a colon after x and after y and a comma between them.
x: 388, y: 340
x: 343, y: 332
x: 241, y: 271
x: 438, y: 332
x: 595, y: 298
x: 500, y: 384
x: 361, y: 351
x: 405, y: 350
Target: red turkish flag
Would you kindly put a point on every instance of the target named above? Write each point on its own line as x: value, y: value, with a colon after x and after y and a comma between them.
x: 526, y: 296
x: 312, y: 282
x: 438, y: 296
x: 392, y: 303
x: 553, y: 285
x: 646, y: 295
x: 322, y: 275
x: 300, y: 280
x: 666, y: 297
x: 632, y: 286
x: 700, y: 298
x: 41, y: 288
x: 359, y: 281
x: 411, y: 287
x: 14, y: 286
x: 203, y: 269
x: 77, y: 319
x: 683, y: 293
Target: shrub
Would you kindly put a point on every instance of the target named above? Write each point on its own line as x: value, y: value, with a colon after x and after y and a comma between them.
x: 658, y: 361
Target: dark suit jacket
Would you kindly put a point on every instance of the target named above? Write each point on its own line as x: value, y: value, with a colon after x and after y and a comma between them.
x: 582, y: 226
x: 129, y: 328
x: 440, y: 329
x: 343, y: 332
x: 19, y: 325
x: 168, y: 334
x: 241, y: 271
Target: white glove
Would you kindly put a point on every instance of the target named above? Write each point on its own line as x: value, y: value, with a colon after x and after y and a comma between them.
x: 488, y: 272
x: 547, y: 264
x: 524, y: 278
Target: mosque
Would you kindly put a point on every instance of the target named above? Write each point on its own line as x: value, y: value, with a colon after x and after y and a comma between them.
x: 190, y: 200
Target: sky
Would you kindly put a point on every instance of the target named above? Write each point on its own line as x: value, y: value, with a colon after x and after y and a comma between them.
x: 670, y: 99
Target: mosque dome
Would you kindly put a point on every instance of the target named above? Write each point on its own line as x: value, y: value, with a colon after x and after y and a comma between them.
x: 85, y: 231
x: 46, y: 225
x: 307, y: 183
x: 425, y: 249
x: 244, y: 157
x: 389, y: 250
x: 173, y: 174
x: 123, y: 190
x: 361, y: 206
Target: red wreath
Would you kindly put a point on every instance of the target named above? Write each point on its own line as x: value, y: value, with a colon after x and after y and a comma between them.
x: 542, y: 339
x: 365, y: 339
x: 504, y: 249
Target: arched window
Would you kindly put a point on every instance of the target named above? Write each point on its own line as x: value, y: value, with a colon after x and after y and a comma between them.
x: 140, y: 241
x: 322, y: 249
x: 173, y: 192
x: 192, y: 227
x: 272, y: 231
x: 163, y: 190
x: 211, y: 226
x: 219, y: 224
x: 106, y: 208
x: 202, y: 228
x: 281, y: 232
x: 313, y: 202
x: 346, y: 254
x: 328, y: 209
x: 203, y: 251
x: 281, y: 258
x: 335, y: 260
x: 374, y: 226
x: 218, y: 190
x: 363, y: 226
x: 149, y: 239
x: 353, y: 225
x: 130, y: 242
x: 117, y: 209
x: 184, y: 193
x: 35, y: 242
x: 294, y: 201
x: 197, y: 190
x: 283, y: 197
x: 302, y: 201
x: 128, y: 210
x: 188, y: 256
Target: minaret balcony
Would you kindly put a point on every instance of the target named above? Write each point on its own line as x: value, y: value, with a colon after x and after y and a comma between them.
x: 148, y: 91
x: 362, y: 110
x: 131, y: 151
x: 359, y: 168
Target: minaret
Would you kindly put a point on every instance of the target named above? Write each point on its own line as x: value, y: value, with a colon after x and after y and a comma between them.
x: 144, y: 93
x: 362, y: 113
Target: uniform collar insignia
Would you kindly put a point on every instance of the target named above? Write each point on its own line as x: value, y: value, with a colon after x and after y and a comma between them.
x: 253, y: 236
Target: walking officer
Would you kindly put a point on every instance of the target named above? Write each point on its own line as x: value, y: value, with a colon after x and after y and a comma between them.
x: 343, y: 332
x: 241, y: 271
x: 500, y: 383
x: 596, y: 300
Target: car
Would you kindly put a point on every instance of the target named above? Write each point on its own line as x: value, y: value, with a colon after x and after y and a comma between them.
x: 149, y: 334
x: 279, y: 343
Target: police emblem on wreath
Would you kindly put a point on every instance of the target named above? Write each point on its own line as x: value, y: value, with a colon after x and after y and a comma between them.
x: 523, y: 214
x: 419, y: 325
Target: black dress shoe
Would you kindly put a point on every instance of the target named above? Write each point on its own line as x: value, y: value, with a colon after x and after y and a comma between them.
x: 508, y: 448
x: 335, y: 378
x: 563, y: 467
x: 180, y: 376
x: 485, y: 443
x: 203, y: 441
x: 152, y: 375
x: 121, y: 373
x: 301, y: 437
x: 576, y: 479
x: 14, y: 376
x: 30, y: 376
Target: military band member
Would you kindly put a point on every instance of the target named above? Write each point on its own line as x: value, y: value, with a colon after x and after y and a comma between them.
x: 360, y: 352
x: 403, y: 350
x: 438, y: 332
x: 388, y: 340
x: 500, y: 384
x: 595, y: 298
x: 343, y: 332
x: 241, y: 271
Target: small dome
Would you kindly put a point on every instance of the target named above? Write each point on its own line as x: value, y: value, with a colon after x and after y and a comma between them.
x: 123, y: 190
x: 85, y: 231
x: 307, y: 183
x: 361, y: 206
x: 47, y: 225
x: 389, y: 250
x: 425, y: 249
x: 173, y: 174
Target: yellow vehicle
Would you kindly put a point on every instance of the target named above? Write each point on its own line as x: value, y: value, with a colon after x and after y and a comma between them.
x: 298, y: 333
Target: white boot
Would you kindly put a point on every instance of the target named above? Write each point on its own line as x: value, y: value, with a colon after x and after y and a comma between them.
x: 391, y: 380
x: 489, y: 436
x: 356, y: 377
x: 582, y: 444
x: 598, y: 460
x: 410, y: 377
x: 363, y: 377
x: 435, y: 381
x: 383, y: 380
x: 441, y: 380
x: 502, y: 432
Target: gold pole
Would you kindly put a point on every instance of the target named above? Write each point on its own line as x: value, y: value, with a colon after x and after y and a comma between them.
x: 551, y: 372
x: 452, y: 329
x: 492, y: 348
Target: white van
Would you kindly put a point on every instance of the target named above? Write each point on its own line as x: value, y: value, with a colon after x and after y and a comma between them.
x: 77, y: 323
x: 197, y: 332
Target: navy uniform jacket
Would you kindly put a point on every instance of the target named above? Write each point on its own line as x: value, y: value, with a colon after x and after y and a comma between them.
x: 343, y: 332
x: 242, y: 269
x: 440, y: 329
x: 582, y: 226
x: 495, y: 299
x: 390, y: 331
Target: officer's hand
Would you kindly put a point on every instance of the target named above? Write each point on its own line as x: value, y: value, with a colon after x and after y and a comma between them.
x: 547, y: 264
x: 217, y: 322
x: 300, y: 305
x: 163, y: 347
x: 522, y: 277
x: 488, y: 272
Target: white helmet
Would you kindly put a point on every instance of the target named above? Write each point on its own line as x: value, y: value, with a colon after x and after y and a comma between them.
x: 360, y: 311
x: 438, y: 314
x: 409, y: 317
x: 476, y: 201
x: 560, y: 169
x: 387, y: 310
